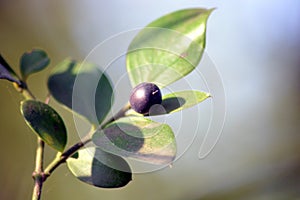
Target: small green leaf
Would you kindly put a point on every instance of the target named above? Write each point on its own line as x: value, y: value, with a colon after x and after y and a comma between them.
x: 83, y: 88
x: 45, y: 122
x: 101, y: 169
x: 7, y: 73
x: 138, y: 138
x: 32, y: 62
x: 177, y: 101
x: 168, y: 48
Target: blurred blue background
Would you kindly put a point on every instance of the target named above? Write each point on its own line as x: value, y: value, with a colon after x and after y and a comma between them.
x: 255, y: 46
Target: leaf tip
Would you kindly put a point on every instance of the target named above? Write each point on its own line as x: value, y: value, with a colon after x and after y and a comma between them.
x: 212, y: 9
x: 208, y: 13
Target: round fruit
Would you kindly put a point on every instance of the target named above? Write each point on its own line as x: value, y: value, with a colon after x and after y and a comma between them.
x: 144, y: 96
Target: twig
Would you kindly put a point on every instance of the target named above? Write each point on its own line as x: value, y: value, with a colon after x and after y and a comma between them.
x: 38, y: 174
x: 61, y: 158
x: 64, y: 156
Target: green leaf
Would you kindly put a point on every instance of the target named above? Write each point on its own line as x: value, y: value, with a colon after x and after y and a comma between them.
x: 138, y: 138
x: 32, y: 62
x: 45, y: 122
x: 177, y: 101
x: 83, y: 88
x: 7, y: 73
x: 168, y: 48
x: 98, y: 168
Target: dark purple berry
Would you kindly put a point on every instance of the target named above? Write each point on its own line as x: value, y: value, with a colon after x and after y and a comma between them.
x: 143, y: 96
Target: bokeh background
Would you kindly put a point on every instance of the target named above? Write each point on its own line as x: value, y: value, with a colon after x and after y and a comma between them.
x: 255, y: 46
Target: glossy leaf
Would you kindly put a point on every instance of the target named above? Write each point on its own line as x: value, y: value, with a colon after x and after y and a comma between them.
x: 138, y: 138
x: 83, y: 88
x: 7, y: 73
x: 168, y: 48
x: 32, y: 62
x: 45, y: 122
x: 98, y: 168
x: 177, y: 101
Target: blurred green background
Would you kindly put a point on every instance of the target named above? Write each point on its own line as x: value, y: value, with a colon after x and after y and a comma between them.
x: 254, y: 44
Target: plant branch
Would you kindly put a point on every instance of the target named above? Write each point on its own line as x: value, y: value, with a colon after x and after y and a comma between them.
x: 24, y: 90
x: 47, y: 100
x: 28, y: 94
x: 39, y: 161
x: 61, y: 158
x: 38, y: 174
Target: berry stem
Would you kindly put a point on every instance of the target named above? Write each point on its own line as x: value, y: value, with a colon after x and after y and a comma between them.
x: 119, y: 114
